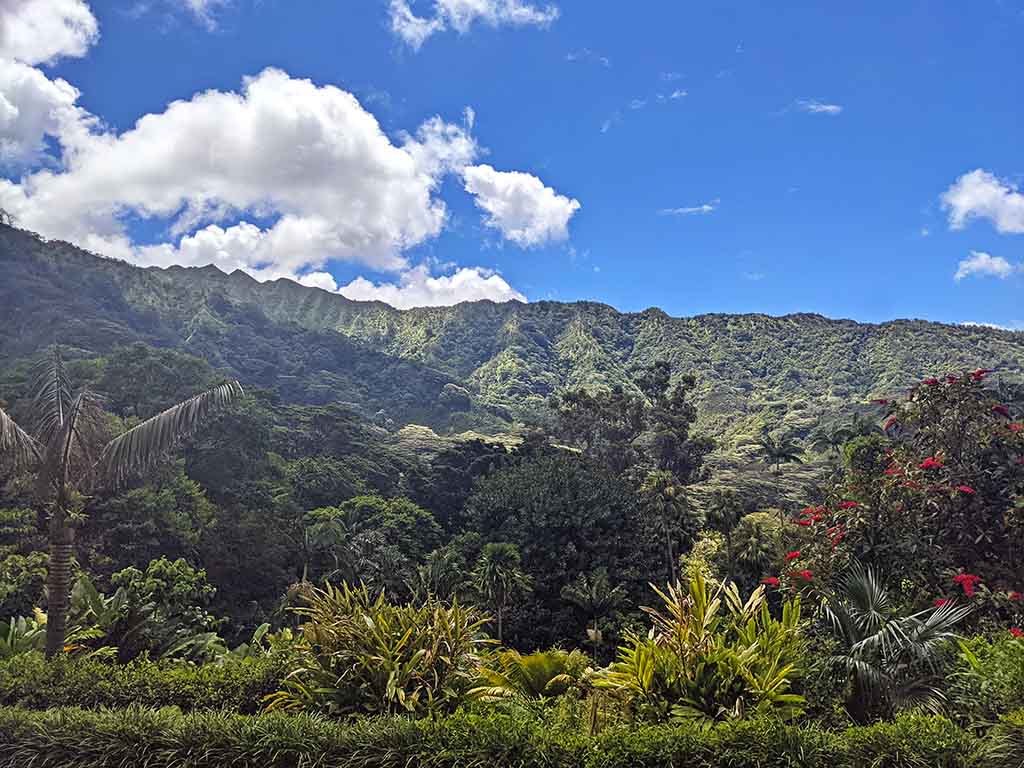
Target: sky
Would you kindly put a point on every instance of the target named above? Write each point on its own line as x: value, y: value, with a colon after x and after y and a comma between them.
x: 861, y: 161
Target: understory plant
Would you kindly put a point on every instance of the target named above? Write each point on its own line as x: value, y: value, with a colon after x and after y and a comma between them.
x: 362, y: 654
x: 710, y: 656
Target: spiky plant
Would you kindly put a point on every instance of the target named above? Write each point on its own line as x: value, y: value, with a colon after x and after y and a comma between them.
x: 891, y: 658
x: 72, y: 454
x: 532, y: 677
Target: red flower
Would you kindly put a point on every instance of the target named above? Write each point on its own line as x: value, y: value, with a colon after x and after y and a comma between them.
x: 931, y: 463
x: 1017, y: 632
x: 848, y: 504
x: 1017, y: 427
x: 891, y: 422
x: 965, y: 489
x: 1015, y: 596
x: 838, y: 538
x: 967, y: 581
x: 880, y: 401
x: 790, y: 556
x: 911, y: 484
x: 1001, y: 410
x: 931, y: 382
x: 893, y: 471
x: 941, y: 601
x: 806, y: 575
x: 980, y: 374
x: 951, y: 379
x: 771, y: 581
x: 805, y: 522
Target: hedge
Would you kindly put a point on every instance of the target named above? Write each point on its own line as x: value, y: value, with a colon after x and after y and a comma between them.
x: 31, y: 682
x: 168, y: 738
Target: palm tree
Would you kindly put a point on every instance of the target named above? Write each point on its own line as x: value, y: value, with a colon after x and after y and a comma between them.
x: 724, y: 512
x: 499, y: 578
x: 71, y: 453
x: 831, y: 439
x: 666, y: 502
x: 891, y: 659
x: 441, y: 576
x: 594, y: 595
x: 779, y: 450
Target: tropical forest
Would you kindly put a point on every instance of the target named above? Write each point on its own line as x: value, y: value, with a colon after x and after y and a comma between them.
x: 258, y: 524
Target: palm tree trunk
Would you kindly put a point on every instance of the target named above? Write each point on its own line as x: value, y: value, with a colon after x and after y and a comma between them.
x: 499, y: 624
x: 58, y: 582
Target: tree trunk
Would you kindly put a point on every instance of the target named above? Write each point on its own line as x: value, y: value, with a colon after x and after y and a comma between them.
x: 58, y: 582
x: 499, y: 624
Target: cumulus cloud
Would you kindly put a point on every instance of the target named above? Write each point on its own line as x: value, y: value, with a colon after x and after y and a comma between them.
x: 307, y: 157
x: 461, y: 15
x: 817, y: 107
x: 981, y: 263
x: 32, y: 107
x: 519, y: 205
x: 709, y: 207
x: 41, y: 31
x: 980, y: 194
x: 417, y: 288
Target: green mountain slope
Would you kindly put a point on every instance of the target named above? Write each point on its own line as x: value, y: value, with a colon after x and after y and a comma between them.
x: 478, y: 365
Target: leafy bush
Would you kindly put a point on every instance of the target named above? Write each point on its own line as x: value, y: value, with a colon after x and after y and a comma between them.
x: 31, y: 681
x: 365, y: 655
x: 75, y: 738
x: 910, y: 741
x: 1005, y: 745
x: 703, y: 663
x: 987, y: 679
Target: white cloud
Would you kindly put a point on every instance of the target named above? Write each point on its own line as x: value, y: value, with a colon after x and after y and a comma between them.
x: 638, y: 103
x: 203, y: 10
x: 308, y: 156
x: 817, y: 107
x: 519, y: 205
x: 678, y: 93
x: 980, y: 194
x: 32, y: 107
x: 461, y: 15
x: 981, y: 263
x: 671, y: 77
x: 705, y: 208
x: 994, y: 326
x: 585, y: 54
x: 417, y: 288
x: 41, y: 31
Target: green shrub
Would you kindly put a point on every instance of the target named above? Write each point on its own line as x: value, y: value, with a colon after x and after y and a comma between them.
x: 30, y: 681
x: 486, y: 738
x: 911, y: 741
x: 1005, y: 745
x: 988, y: 679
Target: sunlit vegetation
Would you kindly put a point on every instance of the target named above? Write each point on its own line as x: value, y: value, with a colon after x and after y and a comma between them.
x: 607, y: 561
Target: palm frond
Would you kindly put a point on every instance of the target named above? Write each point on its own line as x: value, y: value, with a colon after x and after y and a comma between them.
x: 141, y: 447
x: 69, y: 454
x: 52, y: 395
x: 16, y: 446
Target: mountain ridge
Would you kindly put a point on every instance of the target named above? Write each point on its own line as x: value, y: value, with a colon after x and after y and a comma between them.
x: 754, y: 369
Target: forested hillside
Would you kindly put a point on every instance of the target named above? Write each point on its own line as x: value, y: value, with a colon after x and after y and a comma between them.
x: 482, y: 365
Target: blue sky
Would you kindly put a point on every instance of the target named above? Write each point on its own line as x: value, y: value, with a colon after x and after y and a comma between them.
x: 723, y: 157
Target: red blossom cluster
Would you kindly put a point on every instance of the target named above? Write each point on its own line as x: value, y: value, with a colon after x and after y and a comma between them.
x: 932, y: 462
x: 771, y: 581
x: 941, y: 601
x: 931, y: 382
x: 965, y: 489
x: 967, y: 581
x: 1001, y: 410
x: 1017, y: 427
x: 1015, y: 596
x: 805, y: 574
x: 880, y: 401
x: 1017, y: 632
x: 980, y: 374
x: 790, y: 556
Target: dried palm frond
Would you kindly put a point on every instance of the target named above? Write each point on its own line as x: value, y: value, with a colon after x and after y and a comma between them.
x: 17, y: 448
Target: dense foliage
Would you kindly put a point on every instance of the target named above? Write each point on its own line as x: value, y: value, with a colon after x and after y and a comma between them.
x: 669, y: 541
